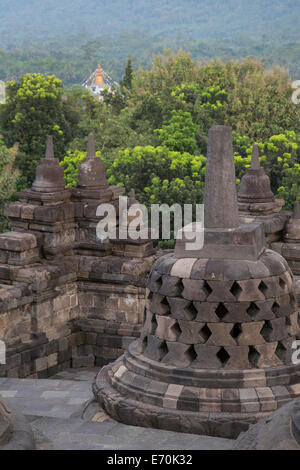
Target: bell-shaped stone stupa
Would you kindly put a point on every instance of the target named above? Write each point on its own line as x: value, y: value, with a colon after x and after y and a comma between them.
x: 92, y: 173
x: 215, y: 352
x: 49, y: 176
x: 292, y: 232
x: 255, y: 196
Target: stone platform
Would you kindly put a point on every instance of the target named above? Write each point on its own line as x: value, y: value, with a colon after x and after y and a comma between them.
x: 54, y: 407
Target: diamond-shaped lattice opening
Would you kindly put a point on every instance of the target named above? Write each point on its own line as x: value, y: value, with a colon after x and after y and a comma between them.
x: 206, y: 288
x: 205, y: 333
x: 221, y: 311
x: 180, y: 286
x: 153, y: 324
x: 223, y: 356
x: 158, y: 282
x: 143, y: 343
x: 282, y: 283
x: 166, y: 306
x: 144, y: 316
x: 266, y: 330
x: 163, y: 350
x: 293, y: 301
x: 176, y: 329
x: 236, y: 330
x: 253, y: 310
x: 235, y: 289
x: 253, y: 356
x: 263, y: 288
x: 275, y: 308
x: 191, y: 311
x: 191, y: 353
x: 281, y: 351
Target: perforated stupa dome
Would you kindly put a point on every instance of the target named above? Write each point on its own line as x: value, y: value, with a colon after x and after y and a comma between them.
x: 215, y: 352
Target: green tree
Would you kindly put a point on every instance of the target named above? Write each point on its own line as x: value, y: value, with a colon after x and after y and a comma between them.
x: 128, y: 77
x: 290, y: 189
x: 147, y: 168
x: 279, y: 153
x: 8, y: 180
x: 179, y: 134
x: 35, y: 107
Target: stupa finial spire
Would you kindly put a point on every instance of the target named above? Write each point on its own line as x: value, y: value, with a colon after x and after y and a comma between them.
x: 255, y: 164
x: 49, y: 147
x: 220, y: 199
x: 91, y: 152
x: 99, y: 76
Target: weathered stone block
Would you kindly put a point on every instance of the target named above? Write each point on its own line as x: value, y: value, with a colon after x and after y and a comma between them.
x: 83, y: 361
x: 171, y: 286
x: 177, y: 355
x: 167, y: 328
x: 249, y: 334
x: 182, y: 309
x: 196, y: 290
x: 13, y: 209
x: 159, y: 304
x: 206, y: 357
x: 206, y: 311
x: 17, y: 241
x: 266, y: 399
x: 21, y: 258
x: 27, y: 211
x: 220, y: 334
x: 183, y: 267
x: 41, y: 364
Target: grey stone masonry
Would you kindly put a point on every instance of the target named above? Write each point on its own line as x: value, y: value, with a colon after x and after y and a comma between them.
x: 66, y: 297
x: 289, y: 247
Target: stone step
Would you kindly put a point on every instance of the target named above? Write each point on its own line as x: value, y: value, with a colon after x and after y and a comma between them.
x: 75, y: 434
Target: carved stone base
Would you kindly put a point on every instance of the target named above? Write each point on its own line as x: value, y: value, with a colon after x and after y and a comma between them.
x: 222, y: 412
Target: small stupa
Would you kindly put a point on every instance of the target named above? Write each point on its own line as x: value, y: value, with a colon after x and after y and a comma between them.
x: 255, y: 196
x: 292, y: 233
x: 49, y: 175
x: 92, y: 174
x: 215, y: 351
x: 290, y: 248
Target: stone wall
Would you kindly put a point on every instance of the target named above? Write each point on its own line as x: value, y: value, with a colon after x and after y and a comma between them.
x: 76, y: 311
x: 66, y: 298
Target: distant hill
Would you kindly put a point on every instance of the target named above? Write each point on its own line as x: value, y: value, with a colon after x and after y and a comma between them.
x: 69, y: 37
x: 26, y: 20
